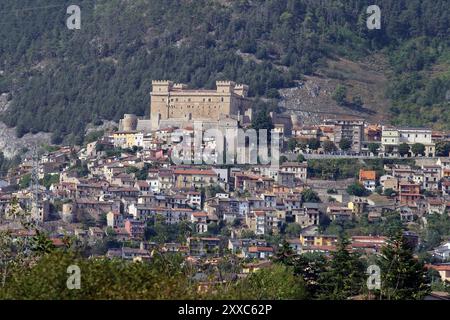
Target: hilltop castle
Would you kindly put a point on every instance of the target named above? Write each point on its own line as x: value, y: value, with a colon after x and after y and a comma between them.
x: 174, y: 105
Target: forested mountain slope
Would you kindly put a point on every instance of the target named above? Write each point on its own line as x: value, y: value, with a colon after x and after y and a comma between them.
x: 59, y: 80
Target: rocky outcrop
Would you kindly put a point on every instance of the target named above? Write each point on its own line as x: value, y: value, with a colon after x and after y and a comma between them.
x: 10, y: 145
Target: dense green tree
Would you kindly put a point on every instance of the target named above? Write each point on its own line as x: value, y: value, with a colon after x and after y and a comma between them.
x: 340, y: 95
x: 442, y: 149
x: 357, y: 101
x: 100, y: 279
x: 389, y: 192
x: 262, y: 120
x: 344, y: 276
x: 25, y: 181
x: 402, y: 276
x: 403, y: 149
x: 329, y: 146
x: 309, y: 195
x: 345, y: 144
x: 49, y: 179
x: 293, y: 230
x: 418, y: 149
x: 357, y: 189
x: 285, y: 255
x: 283, y: 159
x: 292, y: 144
x: 373, y: 148
x: 275, y: 283
x: 311, y: 266
x: 313, y: 143
x: 301, y: 158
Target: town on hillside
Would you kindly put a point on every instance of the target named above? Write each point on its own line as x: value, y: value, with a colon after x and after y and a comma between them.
x: 121, y: 196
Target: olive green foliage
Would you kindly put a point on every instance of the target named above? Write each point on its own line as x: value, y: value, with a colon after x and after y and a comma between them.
x: 357, y: 189
x: 340, y: 95
x: 25, y: 181
x: 345, y: 144
x: 418, y: 149
x: 438, y: 229
x: 412, y: 89
x: 275, y: 283
x: 329, y: 146
x: 100, y: 279
x: 442, y: 149
x: 49, y: 179
x: 309, y: 195
x: 389, y: 224
x: 403, y: 149
x: 336, y: 169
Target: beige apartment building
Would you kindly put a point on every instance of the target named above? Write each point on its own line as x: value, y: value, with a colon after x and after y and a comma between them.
x: 392, y: 137
x: 176, y: 104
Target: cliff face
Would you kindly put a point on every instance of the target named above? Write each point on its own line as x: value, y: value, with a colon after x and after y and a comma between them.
x: 10, y: 145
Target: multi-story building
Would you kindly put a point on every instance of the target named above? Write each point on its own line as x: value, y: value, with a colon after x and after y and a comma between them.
x: 348, y: 129
x: 135, y: 228
x: 199, y: 219
x: 393, y: 137
x: 431, y: 177
x: 194, y: 178
x: 308, y: 215
x: 339, y: 213
x: 300, y: 170
x: 203, y: 246
x: 128, y: 139
x: 409, y: 193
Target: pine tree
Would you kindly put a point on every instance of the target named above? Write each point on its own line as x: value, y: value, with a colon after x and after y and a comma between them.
x: 285, y: 255
x: 402, y: 276
x: 344, y: 276
x: 310, y: 267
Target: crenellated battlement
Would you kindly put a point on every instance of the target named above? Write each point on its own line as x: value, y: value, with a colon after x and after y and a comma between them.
x: 170, y: 100
x: 162, y: 82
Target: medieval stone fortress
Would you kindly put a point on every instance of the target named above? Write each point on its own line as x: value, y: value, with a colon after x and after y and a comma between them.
x: 175, y: 105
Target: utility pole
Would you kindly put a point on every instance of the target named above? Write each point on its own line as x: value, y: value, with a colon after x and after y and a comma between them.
x: 35, y: 187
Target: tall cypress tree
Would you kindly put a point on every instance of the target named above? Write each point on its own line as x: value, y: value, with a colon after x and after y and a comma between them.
x: 402, y: 276
x: 344, y: 276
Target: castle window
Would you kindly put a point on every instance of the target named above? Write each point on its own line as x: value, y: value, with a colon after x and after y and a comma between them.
x: 221, y: 99
x: 209, y: 100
